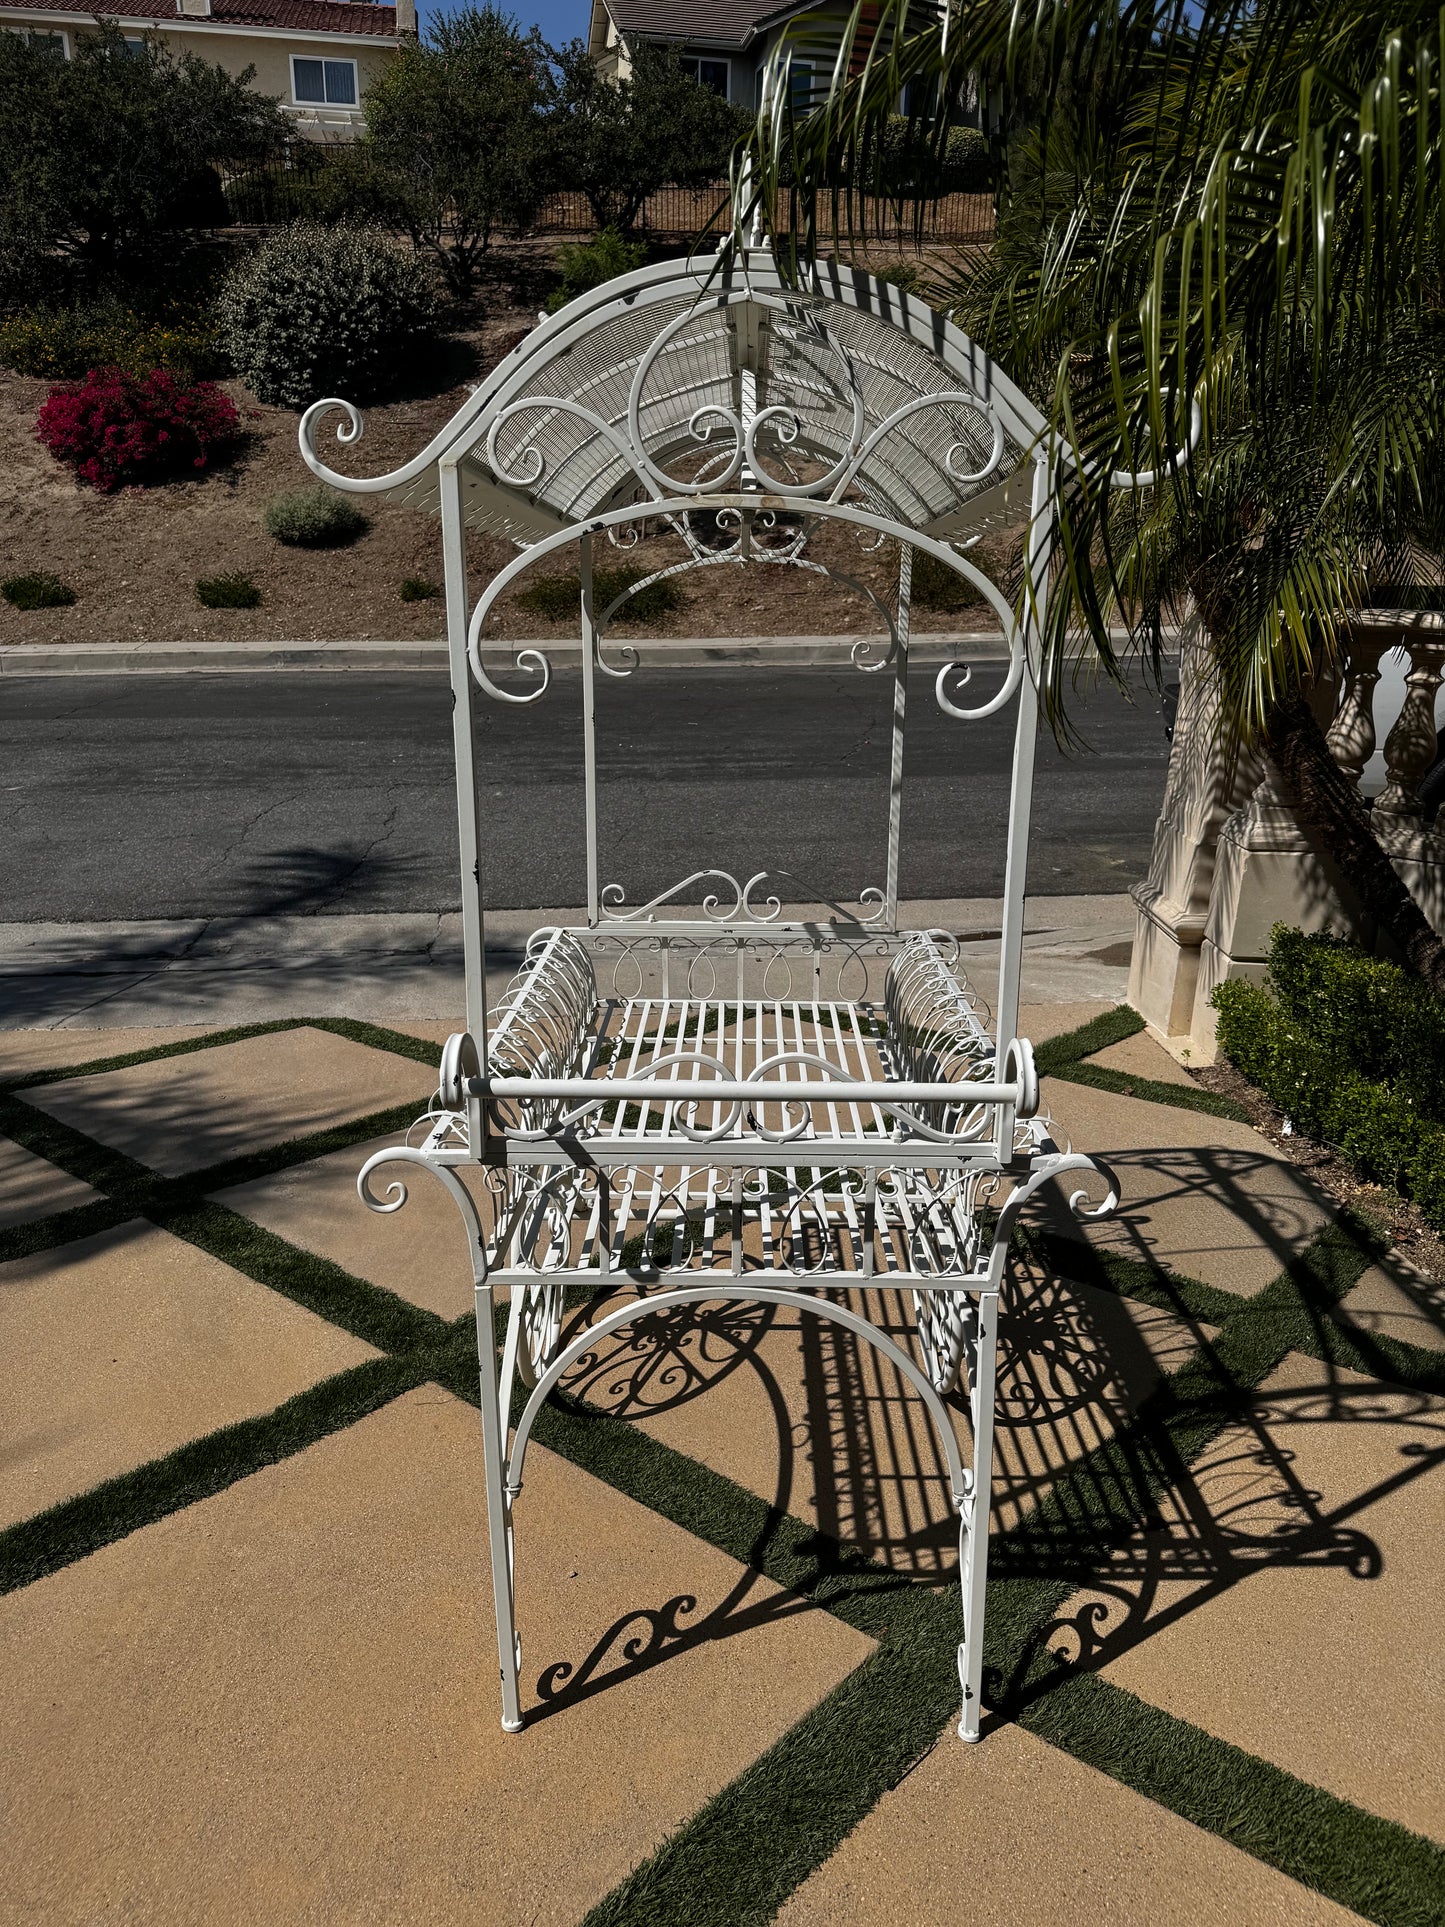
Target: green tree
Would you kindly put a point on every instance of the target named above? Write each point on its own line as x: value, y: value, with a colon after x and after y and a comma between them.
x: 102, y: 153
x: 617, y: 141
x: 1221, y: 237
x: 457, y: 133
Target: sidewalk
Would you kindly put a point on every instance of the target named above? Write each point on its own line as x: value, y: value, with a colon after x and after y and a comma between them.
x: 251, y: 970
x: 245, y: 1610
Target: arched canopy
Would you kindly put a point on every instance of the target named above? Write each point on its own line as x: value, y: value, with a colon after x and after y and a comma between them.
x: 711, y: 376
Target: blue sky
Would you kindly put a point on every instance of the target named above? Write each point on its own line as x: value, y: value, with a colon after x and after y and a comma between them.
x: 559, y: 19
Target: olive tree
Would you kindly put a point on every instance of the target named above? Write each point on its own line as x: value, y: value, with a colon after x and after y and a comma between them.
x: 457, y: 136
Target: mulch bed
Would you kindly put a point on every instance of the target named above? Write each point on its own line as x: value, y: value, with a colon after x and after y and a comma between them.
x: 133, y: 558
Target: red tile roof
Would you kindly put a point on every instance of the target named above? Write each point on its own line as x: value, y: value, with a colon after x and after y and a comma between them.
x: 299, y: 16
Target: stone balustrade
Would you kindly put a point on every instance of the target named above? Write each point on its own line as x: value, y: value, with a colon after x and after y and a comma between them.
x: 1230, y: 858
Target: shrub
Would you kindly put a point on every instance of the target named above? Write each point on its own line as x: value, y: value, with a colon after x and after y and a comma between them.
x: 587, y: 264
x: 416, y: 588
x: 118, y: 430
x: 900, y: 274
x: 313, y: 518
x: 1371, y: 1014
x: 39, y: 591
x: 556, y: 597
x: 939, y: 588
x: 233, y: 590
x: 325, y: 311
x: 1380, y: 1126
x: 64, y: 344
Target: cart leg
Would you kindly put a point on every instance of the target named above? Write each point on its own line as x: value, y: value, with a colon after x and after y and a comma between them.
x: 974, y: 1513
x: 499, y: 1512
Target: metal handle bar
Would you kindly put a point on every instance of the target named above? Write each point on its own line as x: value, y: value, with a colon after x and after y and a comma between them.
x: 730, y: 1091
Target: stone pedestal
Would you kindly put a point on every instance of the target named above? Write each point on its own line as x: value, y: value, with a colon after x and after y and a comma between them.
x: 1266, y: 871
x: 1205, y: 784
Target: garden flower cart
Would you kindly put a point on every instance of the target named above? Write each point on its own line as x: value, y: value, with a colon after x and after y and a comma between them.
x: 701, y: 1097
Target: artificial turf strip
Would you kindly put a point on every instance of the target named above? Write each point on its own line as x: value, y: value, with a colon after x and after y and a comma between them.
x: 1377, y: 1867
x: 1149, y: 1090
x: 1066, y: 1056
x: 890, y: 1710
x: 755, y: 1842
x: 378, y: 1036
x: 199, y: 1469
x: 1110, y: 1027
x: 369, y: 1312
x: 60, y: 1228
x: 739, y: 1858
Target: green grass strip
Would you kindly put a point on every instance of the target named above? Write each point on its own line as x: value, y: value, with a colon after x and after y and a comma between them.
x: 75, y: 1528
x: 1378, y: 1868
x: 179, y: 1206
x: 378, y: 1036
x: 755, y: 1842
x: 1150, y: 1090
x: 1064, y: 1057
x: 1110, y: 1027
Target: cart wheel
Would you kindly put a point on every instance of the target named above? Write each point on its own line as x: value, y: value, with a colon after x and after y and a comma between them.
x: 541, y: 1329
x: 945, y: 1322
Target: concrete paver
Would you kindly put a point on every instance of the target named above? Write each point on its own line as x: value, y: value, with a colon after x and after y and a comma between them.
x: 1289, y: 1603
x: 820, y: 1425
x: 32, y: 1187
x: 122, y: 1346
x: 281, y: 1704
x: 1141, y: 1056
x: 1393, y: 1300
x: 1013, y: 1830
x: 1205, y: 1196
x: 420, y: 1253
x: 177, y: 1114
x: 23, y: 1052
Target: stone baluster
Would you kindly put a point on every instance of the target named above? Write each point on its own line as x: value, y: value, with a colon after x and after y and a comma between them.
x: 1351, y: 736
x: 1410, y: 745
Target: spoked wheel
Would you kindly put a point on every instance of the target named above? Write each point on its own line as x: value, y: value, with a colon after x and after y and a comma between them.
x: 541, y: 1328
x: 946, y: 1321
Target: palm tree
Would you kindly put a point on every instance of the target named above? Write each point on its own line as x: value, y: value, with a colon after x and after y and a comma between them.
x: 1221, y: 227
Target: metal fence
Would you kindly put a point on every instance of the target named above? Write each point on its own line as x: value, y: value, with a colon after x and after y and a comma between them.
x: 327, y: 182
x: 958, y: 220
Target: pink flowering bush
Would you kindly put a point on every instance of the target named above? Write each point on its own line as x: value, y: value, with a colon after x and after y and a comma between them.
x: 118, y: 430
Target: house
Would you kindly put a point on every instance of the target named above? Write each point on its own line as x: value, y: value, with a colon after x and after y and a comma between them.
x: 725, y: 44
x: 317, y: 56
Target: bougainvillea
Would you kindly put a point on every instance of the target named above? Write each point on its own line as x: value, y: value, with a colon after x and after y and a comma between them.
x: 122, y: 431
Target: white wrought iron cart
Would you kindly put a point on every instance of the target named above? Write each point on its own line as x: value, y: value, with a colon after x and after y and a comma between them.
x: 701, y: 1097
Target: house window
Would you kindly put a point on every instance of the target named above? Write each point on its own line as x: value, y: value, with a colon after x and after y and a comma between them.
x: 800, y: 86
x: 56, y: 43
x: 712, y: 74
x: 323, y: 83
x: 135, y: 48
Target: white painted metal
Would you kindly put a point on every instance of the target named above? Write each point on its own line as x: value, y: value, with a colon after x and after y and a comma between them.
x: 699, y: 1097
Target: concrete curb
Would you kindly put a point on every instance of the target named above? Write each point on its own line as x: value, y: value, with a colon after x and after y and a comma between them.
x: 171, y: 658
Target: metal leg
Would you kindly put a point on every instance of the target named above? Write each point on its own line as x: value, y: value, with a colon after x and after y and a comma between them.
x: 974, y: 1513
x: 499, y: 1512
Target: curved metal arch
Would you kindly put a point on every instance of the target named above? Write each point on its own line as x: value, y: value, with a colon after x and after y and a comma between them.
x: 746, y: 275
x: 832, y: 511
x: 960, y: 1481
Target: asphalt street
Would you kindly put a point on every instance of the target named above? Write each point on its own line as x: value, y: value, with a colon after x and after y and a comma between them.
x: 232, y: 795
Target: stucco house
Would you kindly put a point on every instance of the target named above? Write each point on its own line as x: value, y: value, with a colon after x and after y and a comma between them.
x: 317, y: 56
x: 726, y: 43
